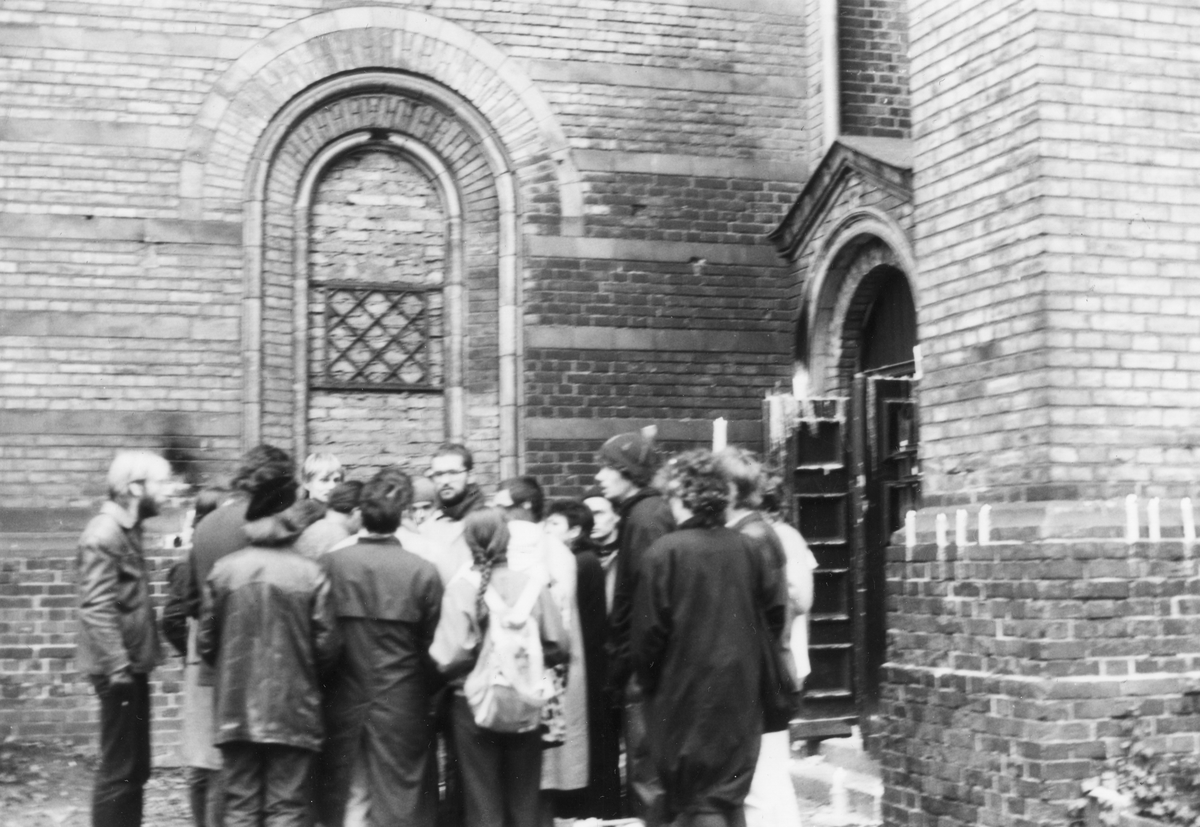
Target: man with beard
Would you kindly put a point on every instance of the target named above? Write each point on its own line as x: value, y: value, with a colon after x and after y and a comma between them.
x: 457, y: 496
x: 118, y: 637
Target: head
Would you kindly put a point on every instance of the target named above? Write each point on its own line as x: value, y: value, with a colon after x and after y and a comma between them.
x: 319, y: 475
x: 522, y: 498
x: 450, y: 470
x: 745, y: 473
x: 569, y: 521
x: 486, y: 533
x: 385, y: 498
x: 695, y: 487
x: 140, y: 482
x: 424, y: 501
x: 344, y: 503
x: 627, y: 464
x: 604, y: 516
x: 268, y: 475
x: 773, y: 496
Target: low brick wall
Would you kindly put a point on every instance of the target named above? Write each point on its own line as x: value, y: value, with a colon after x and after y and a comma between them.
x: 42, y: 695
x: 1014, y: 668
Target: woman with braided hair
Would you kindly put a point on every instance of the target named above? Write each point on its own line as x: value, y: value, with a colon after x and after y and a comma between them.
x: 698, y: 610
x: 500, y: 771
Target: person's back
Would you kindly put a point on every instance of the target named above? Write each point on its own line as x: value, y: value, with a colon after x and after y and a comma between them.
x: 267, y: 626
x: 380, y: 747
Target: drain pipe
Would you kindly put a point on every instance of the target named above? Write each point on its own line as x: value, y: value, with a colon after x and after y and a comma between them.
x: 831, y: 87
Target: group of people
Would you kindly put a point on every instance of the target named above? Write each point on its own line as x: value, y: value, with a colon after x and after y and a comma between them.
x: 332, y: 629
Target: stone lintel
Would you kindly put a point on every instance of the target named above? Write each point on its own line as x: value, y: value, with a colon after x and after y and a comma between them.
x: 688, y: 166
x: 566, y: 337
x: 101, y: 228
x: 26, y: 421
x: 745, y: 432
x: 627, y: 249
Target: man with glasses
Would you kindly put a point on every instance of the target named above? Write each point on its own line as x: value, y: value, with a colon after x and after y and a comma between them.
x: 457, y: 496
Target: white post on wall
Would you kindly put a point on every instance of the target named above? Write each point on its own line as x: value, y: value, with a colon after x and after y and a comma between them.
x: 831, y: 87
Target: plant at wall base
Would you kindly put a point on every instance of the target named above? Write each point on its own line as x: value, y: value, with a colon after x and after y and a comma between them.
x: 1161, y: 786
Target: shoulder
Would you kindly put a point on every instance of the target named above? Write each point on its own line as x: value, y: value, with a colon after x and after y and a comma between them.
x: 102, y: 532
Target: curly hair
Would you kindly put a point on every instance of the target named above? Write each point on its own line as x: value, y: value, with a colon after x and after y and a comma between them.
x: 745, y: 471
x: 696, y: 478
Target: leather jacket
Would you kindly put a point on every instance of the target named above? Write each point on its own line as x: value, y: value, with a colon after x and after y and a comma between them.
x: 267, y: 625
x: 117, y: 628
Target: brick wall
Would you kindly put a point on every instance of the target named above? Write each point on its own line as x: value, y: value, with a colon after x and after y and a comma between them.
x: 873, y: 68
x: 1054, y: 232
x: 152, y: 164
x: 43, y: 696
x: 1052, y: 304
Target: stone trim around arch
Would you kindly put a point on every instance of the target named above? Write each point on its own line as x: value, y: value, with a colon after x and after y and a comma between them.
x: 861, y: 242
x: 443, y: 181
x: 300, y: 55
x: 485, y: 164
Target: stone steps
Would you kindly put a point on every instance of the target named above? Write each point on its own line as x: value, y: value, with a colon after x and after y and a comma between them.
x: 842, y: 781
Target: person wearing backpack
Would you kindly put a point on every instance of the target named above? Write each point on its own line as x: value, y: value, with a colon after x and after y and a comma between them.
x: 498, y: 629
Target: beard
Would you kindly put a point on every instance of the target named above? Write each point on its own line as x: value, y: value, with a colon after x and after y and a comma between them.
x: 451, y: 496
x: 147, y: 507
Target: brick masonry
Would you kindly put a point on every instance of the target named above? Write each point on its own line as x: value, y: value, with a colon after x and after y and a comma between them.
x: 152, y: 159
x: 873, y: 68
x: 1052, y: 165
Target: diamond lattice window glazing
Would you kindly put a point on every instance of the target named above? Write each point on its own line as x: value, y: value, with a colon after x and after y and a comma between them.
x: 381, y: 337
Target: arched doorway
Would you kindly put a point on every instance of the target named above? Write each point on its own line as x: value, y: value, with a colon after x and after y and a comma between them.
x: 857, y: 472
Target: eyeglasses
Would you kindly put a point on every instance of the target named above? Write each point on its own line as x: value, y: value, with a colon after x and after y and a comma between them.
x: 442, y: 474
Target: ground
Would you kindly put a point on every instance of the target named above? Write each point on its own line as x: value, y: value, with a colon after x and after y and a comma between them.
x: 50, y: 785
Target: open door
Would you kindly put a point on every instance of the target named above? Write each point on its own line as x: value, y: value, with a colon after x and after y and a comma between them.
x: 821, y: 484
x: 884, y: 458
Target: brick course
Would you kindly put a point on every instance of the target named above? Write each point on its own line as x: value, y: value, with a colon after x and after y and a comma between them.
x: 134, y: 139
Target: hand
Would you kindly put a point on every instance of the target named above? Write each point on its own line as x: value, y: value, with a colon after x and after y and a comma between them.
x: 120, y: 684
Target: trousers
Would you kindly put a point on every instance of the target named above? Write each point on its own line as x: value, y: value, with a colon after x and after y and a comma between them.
x: 266, y: 785
x: 645, y: 788
x: 124, y: 752
x: 501, y: 772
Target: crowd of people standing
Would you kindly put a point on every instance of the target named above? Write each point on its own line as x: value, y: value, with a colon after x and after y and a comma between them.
x: 345, y: 643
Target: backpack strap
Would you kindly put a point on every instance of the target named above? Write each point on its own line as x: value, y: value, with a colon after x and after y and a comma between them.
x: 519, y: 611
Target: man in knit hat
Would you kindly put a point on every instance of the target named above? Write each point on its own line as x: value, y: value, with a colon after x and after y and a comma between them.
x: 264, y: 483
x: 627, y: 466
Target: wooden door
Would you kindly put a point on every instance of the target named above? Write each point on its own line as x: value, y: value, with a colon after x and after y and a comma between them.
x: 884, y: 459
x: 822, y: 506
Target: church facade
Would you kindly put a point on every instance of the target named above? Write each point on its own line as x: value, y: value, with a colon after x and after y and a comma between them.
x: 961, y: 232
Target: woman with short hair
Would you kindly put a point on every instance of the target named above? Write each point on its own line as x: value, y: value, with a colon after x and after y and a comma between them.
x: 705, y: 591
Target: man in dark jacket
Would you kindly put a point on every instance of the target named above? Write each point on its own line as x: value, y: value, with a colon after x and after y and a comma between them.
x: 118, y: 638
x: 267, y: 626
x: 379, y: 763
x: 627, y: 466
x: 264, y: 476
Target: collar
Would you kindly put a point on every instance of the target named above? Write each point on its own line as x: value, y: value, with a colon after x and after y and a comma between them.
x: 124, y: 519
x: 627, y: 504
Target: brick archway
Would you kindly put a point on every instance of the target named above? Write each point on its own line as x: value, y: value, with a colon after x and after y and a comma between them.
x: 224, y: 145
x: 439, y: 134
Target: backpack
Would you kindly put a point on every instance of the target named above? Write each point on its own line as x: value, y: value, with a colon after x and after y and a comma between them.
x: 507, y: 688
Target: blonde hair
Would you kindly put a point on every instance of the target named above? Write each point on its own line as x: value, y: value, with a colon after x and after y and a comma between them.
x: 316, y: 465
x: 129, y: 467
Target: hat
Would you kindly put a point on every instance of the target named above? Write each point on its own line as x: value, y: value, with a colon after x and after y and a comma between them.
x: 633, y: 455
x: 271, y: 497
x: 424, y: 490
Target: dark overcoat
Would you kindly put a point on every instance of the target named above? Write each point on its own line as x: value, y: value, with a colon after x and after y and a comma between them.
x: 697, y: 650
x: 387, y: 601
